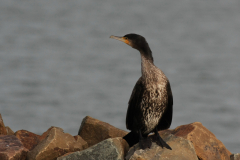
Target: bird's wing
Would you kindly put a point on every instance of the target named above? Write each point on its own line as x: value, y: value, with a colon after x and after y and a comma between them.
x: 166, y: 119
x: 133, y: 111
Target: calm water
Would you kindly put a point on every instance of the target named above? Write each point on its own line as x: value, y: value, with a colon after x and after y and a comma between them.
x: 58, y: 64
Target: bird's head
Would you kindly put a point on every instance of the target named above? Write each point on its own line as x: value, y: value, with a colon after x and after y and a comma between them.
x: 136, y: 41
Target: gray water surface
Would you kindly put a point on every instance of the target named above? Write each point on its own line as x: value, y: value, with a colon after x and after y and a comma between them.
x: 58, y: 64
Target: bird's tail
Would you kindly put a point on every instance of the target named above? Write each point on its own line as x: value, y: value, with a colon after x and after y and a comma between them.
x: 131, y: 138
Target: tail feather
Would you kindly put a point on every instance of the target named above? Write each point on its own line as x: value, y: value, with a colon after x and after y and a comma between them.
x: 131, y: 138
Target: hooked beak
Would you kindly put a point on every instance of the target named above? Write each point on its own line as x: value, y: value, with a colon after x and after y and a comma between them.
x: 120, y: 39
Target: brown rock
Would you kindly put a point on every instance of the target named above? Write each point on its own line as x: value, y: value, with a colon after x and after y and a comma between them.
x: 55, y: 144
x: 94, y: 131
x: 29, y: 139
x: 81, y: 141
x: 11, y: 148
x: 182, y: 149
x: 44, y: 135
x: 3, y: 130
x: 109, y: 149
x: 9, y: 131
x: 206, y: 145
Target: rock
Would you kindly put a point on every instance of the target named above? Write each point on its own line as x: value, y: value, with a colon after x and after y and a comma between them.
x: 206, y: 145
x: 29, y: 139
x: 80, y: 140
x: 44, y: 135
x: 11, y: 148
x: 9, y: 131
x: 55, y: 144
x: 109, y: 149
x: 94, y: 131
x: 3, y: 130
x: 182, y: 149
x: 65, y: 155
x: 235, y: 156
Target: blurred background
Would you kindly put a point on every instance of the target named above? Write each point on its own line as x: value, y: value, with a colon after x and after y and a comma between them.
x: 58, y: 64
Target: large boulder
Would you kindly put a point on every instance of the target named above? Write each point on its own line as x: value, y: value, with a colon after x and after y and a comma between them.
x: 94, y: 131
x: 182, y: 149
x: 81, y: 141
x: 45, y: 134
x: 29, y: 139
x: 206, y: 145
x: 109, y: 149
x: 11, y: 148
x: 55, y: 144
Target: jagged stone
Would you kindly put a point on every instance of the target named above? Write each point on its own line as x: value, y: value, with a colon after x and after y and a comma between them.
x: 9, y: 131
x: 109, y: 149
x: 44, y: 135
x: 55, y: 144
x: 80, y: 140
x: 29, y: 139
x: 235, y: 156
x: 94, y: 131
x: 11, y: 148
x: 206, y: 145
x: 182, y: 149
x: 3, y: 130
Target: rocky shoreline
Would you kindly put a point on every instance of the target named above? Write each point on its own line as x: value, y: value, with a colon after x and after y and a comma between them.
x: 100, y: 140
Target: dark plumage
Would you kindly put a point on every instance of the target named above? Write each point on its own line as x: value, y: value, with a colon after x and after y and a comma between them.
x: 150, y: 105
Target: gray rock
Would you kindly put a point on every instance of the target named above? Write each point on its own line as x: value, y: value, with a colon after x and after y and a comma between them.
x: 182, y: 149
x: 109, y: 149
x: 235, y: 156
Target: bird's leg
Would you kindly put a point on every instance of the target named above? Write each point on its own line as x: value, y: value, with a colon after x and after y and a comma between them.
x: 159, y: 140
x: 144, y: 142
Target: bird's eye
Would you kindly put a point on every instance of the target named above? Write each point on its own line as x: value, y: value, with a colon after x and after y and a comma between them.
x: 125, y: 38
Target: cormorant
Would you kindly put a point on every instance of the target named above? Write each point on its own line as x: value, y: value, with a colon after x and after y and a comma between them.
x: 151, y: 103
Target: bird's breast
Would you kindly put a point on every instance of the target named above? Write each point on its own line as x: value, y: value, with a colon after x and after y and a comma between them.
x: 153, y: 106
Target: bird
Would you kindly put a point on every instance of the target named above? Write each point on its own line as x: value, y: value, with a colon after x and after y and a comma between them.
x: 150, y: 106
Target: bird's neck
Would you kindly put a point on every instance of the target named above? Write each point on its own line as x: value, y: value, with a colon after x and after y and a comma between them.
x: 146, y: 53
x: 147, y: 67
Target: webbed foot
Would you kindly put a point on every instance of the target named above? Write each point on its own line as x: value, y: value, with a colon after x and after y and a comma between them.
x: 145, y: 143
x: 160, y: 141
